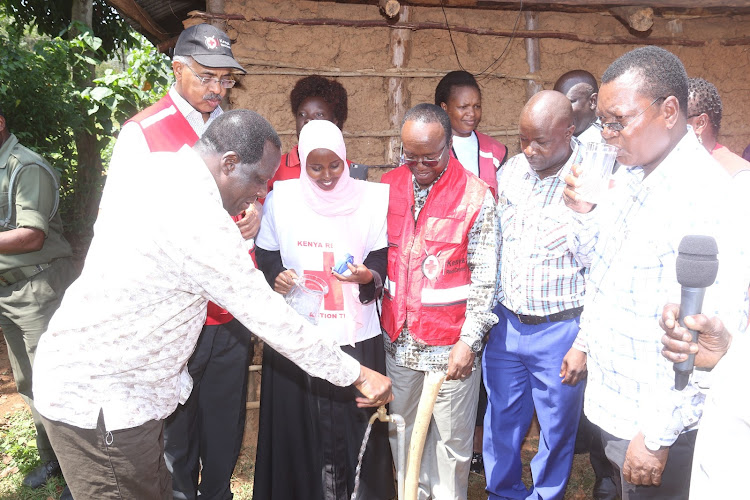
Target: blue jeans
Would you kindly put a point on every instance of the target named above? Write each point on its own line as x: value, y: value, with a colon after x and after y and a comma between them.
x: 521, y: 369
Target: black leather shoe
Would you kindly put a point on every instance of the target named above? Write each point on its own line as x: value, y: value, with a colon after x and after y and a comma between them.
x: 66, y: 495
x: 477, y: 463
x: 605, y: 489
x: 43, y: 473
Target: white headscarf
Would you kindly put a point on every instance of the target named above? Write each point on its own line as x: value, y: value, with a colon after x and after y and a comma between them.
x: 344, y: 198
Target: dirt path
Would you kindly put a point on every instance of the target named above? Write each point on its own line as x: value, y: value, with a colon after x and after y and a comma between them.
x: 10, y: 400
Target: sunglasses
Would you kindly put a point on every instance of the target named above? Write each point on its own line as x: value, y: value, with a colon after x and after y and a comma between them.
x: 427, y: 162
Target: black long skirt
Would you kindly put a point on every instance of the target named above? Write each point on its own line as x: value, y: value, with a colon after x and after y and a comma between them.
x: 310, y: 433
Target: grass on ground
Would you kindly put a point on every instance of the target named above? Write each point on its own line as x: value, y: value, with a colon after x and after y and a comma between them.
x: 18, y: 455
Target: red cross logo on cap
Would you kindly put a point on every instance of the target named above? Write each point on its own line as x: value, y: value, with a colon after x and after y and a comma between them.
x: 211, y: 42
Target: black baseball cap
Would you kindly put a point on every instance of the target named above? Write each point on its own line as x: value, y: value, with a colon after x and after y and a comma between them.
x: 208, y: 45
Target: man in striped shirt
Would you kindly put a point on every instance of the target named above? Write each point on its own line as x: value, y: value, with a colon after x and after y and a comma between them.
x: 539, y: 295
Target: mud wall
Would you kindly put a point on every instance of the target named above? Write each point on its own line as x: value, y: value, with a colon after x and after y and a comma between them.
x: 294, y: 51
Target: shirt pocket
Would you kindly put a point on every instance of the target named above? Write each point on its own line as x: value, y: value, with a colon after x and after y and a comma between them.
x: 4, y: 206
x: 450, y: 228
x: 553, y: 232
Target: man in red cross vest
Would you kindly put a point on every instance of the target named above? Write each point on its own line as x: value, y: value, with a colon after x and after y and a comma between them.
x: 204, y: 69
x: 437, y: 303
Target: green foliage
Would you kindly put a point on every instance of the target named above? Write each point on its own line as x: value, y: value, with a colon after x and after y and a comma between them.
x: 46, y: 106
x: 35, y: 94
x: 52, y: 18
x: 118, y: 95
x: 18, y: 441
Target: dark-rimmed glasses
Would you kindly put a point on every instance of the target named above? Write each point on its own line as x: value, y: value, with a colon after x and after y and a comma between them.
x: 427, y: 162
x: 212, y: 80
x: 619, y: 127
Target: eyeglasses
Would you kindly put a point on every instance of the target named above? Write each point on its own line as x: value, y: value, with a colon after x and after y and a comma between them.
x: 619, y: 127
x: 427, y: 162
x: 212, y: 80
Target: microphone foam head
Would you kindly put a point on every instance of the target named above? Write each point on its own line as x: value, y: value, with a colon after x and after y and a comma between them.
x: 696, y: 261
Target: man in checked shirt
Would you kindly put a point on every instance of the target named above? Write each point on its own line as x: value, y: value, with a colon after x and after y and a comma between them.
x: 668, y: 187
x: 539, y: 295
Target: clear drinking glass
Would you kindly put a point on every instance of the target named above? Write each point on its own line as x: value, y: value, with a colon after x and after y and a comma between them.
x: 596, y: 169
x: 307, y: 296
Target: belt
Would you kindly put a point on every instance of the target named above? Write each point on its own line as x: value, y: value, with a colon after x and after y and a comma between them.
x: 558, y: 316
x: 21, y: 273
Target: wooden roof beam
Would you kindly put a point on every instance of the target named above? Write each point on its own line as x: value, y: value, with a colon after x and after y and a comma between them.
x: 659, y: 4
x: 134, y: 11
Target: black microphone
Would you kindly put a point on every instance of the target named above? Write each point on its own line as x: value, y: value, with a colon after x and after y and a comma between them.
x: 696, y: 270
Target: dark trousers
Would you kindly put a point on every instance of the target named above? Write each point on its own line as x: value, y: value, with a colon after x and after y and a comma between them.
x: 126, y: 464
x: 589, y: 440
x: 205, y: 434
x: 675, y: 480
x: 26, y: 308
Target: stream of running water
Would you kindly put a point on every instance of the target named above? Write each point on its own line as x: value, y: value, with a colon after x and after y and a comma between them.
x: 359, y: 460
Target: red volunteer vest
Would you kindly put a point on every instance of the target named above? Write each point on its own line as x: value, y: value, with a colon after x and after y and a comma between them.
x: 166, y: 129
x: 289, y: 168
x: 492, y: 154
x: 428, y: 276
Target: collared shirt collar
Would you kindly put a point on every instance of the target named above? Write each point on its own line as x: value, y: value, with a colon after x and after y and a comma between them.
x: 192, y: 115
x: 667, y: 168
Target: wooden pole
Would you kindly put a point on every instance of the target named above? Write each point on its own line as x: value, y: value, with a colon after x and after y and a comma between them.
x: 389, y: 7
x: 399, y: 97
x: 431, y: 388
x: 283, y: 68
x: 532, y: 54
x: 639, y: 18
x: 509, y: 4
x: 216, y: 7
x: 576, y: 37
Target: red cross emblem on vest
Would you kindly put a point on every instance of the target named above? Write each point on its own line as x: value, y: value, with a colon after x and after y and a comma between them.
x: 334, y: 300
x: 431, y: 266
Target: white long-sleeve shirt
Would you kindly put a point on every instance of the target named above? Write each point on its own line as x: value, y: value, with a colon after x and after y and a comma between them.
x: 163, y: 247
x: 632, y: 275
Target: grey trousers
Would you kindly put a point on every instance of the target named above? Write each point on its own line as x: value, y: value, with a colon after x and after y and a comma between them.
x: 675, y: 480
x: 25, y: 310
x: 126, y: 464
x: 444, y: 472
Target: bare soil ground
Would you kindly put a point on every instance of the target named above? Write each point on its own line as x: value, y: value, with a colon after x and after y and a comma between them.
x: 580, y: 485
x: 10, y: 400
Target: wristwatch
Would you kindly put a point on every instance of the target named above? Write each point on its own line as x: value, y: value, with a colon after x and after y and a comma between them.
x: 651, y: 445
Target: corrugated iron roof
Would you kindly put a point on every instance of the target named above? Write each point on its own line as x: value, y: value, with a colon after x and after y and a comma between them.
x: 158, y: 20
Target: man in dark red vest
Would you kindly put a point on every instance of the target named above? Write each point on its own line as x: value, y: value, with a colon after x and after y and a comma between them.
x: 437, y: 303
x: 206, y: 432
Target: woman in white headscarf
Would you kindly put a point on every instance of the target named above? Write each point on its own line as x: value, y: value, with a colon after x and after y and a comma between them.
x: 310, y: 431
